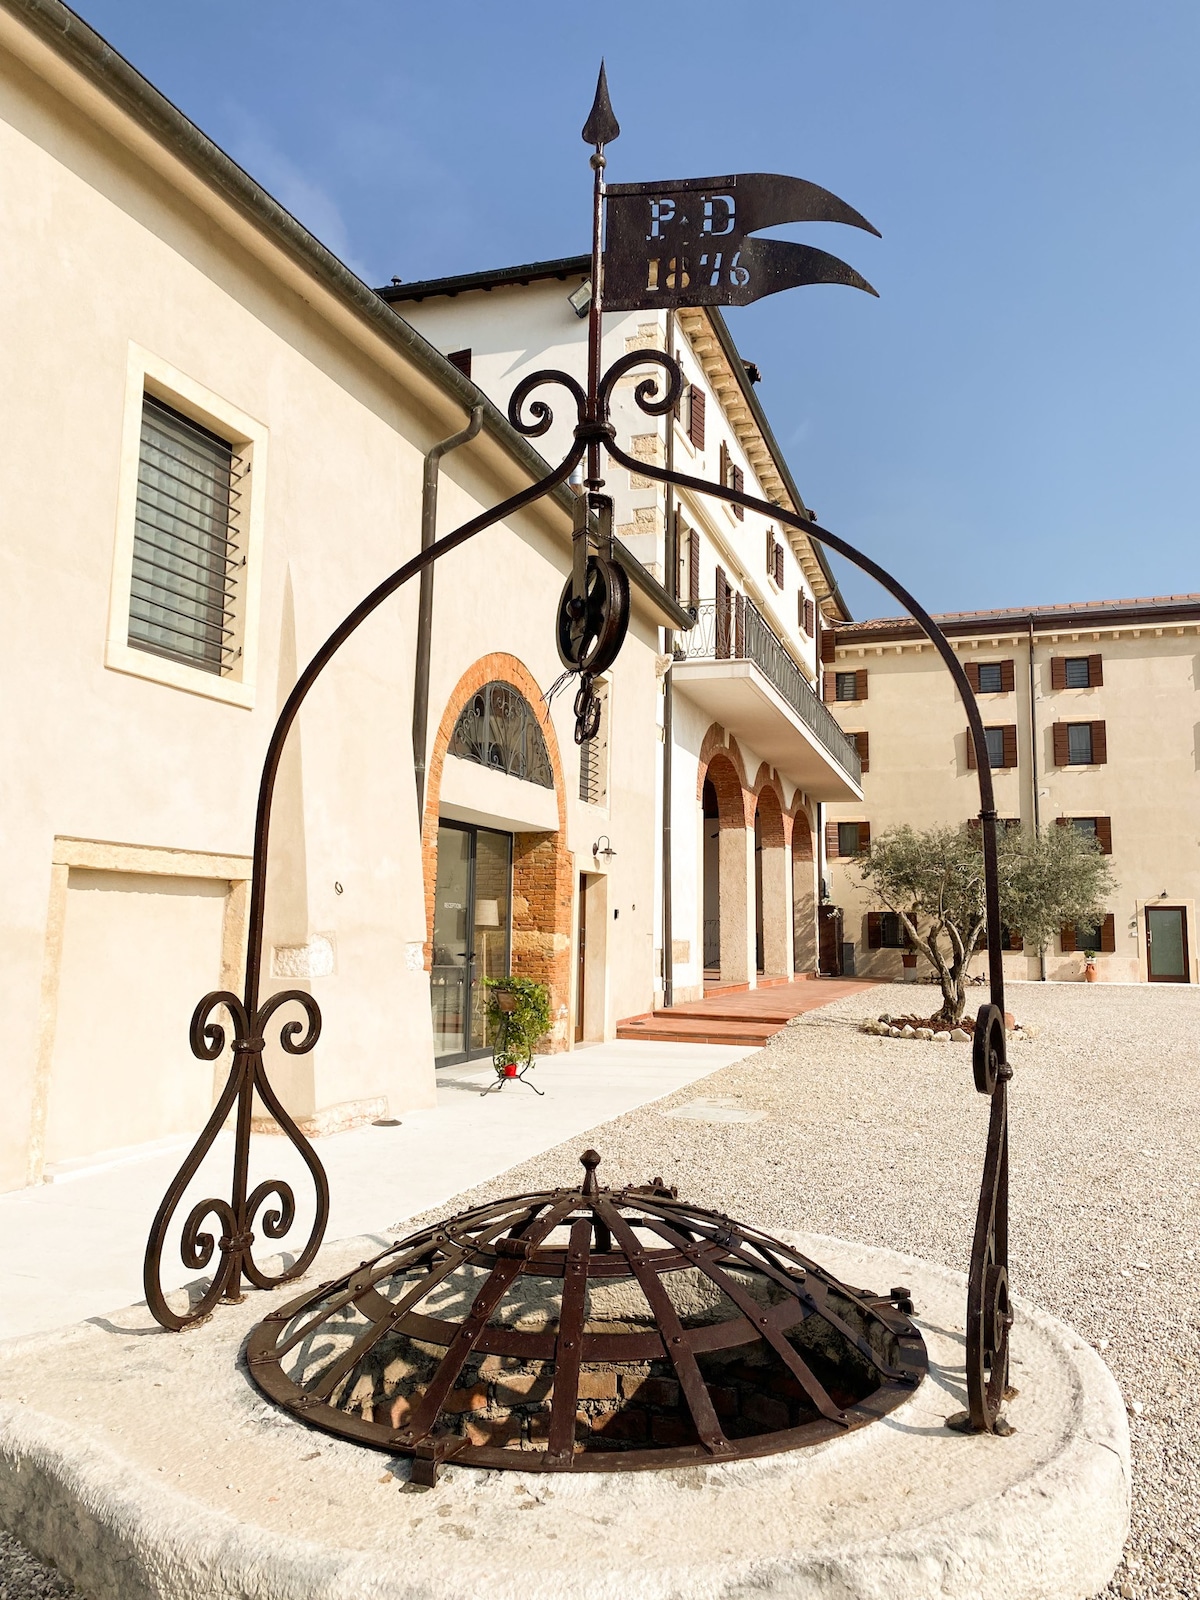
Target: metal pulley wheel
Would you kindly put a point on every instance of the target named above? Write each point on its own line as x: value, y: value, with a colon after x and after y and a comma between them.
x: 592, y: 630
x: 587, y: 710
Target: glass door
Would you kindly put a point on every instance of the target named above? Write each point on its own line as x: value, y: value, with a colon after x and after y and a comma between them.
x: 1166, y: 944
x: 472, y: 935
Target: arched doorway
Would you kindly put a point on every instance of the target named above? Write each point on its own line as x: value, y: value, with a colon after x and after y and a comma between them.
x: 498, y: 878
x: 804, y: 892
x: 773, y: 896
x: 728, y: 867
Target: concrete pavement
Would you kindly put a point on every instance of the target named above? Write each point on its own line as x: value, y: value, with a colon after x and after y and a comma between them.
x: 73, y: 1248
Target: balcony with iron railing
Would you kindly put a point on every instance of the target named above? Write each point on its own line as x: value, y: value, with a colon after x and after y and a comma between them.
x: 738, y: 669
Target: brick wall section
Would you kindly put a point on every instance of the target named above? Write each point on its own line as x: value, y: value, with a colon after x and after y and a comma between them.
x: 543, y: 867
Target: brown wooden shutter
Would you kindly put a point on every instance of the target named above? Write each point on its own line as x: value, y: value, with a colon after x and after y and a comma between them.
x: 1008, y: 675
x: 874, y: 930
x: 970, y: 751
x: 1058, y: 674
x: 1095, y: 672
x: 1063, y: 822
x: 723, y: 466
x: 972, y: 670
x: 693, y: 567
x: 1099, y: 744
x: 864, y: 837
x: 1067, y: 938
x: 722, y: 619
x: 828, y: 645
x: 862, y: 743
x: 860, y: 684
x: 1104, y: 835
x: 737, y: 480
x: 1010, y: 745
x: 696, y: 416
x: 831, y: 841
x: 779, y: 565
x: 810, y: 618
x: 829, y: 687
x: 1062, y: 747
x: 462, y: 360
x: 771, y: 551
x: 1108, y: 935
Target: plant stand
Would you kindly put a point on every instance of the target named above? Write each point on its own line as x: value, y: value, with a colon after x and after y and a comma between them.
x: 517, y: 1075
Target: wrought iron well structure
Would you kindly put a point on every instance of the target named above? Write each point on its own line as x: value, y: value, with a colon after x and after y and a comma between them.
x: 673, y: 244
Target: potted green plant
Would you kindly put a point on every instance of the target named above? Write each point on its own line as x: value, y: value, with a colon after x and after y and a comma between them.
x: 1089, y: 966
x: 518, y: 1012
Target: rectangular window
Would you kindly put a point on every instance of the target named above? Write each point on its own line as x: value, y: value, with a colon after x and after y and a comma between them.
x: 891, y: 932
x: 462, y: 360
x: 995, y: 746
x: 1085, y: 826
x: 1076, y: 673
x: 850, y: 838
x: 593, y: 757
x: 696, y: 416
x: 1079, y: 744
x: 183, y: 586
x: 846, y: 685
x: 991, y: 677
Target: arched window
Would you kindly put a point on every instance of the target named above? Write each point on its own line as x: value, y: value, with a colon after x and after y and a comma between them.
x: 497, y: 728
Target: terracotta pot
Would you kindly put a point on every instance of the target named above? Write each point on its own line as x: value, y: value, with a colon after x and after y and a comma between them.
x: 1089, y: 971
x: 510, y: 1069
x: 909, y: 958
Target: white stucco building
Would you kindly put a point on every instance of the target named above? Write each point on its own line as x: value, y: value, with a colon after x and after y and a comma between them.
x: 752, y: 750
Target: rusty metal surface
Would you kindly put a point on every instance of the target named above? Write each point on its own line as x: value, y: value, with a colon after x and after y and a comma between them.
x: 588, y: 1330
x: 592, y: 619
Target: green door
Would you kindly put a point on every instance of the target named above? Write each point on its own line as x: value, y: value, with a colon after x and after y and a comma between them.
x: 1166, y: 944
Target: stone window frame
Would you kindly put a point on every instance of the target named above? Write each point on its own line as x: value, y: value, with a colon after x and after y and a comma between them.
x: 149, y: 374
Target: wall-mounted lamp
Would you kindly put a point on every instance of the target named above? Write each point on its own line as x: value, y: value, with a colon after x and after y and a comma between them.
x: 581, y: 299
x: 602, y: 847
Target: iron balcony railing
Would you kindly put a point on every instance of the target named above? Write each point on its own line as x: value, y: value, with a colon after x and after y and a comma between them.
x: 736, y: 630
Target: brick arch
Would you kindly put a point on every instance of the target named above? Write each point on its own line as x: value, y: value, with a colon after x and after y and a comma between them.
x: 724, y: 767
x: 802, y: 840
x: 776, y: 824
x: 543, y: 867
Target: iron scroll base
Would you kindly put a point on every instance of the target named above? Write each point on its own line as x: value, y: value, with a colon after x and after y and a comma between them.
x: 591, y: 612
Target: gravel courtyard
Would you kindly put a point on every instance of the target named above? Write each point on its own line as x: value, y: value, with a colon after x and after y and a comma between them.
x: 882, y: 1140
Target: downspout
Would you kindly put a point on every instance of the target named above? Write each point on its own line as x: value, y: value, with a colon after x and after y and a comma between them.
x: 671, y: 562
x: 429, y: 496
x: 1033, y: 768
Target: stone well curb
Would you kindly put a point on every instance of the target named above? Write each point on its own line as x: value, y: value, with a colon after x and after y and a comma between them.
x: 1050, y: 1527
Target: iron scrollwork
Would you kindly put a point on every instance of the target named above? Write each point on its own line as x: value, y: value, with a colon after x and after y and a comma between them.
x: 238, y: 1216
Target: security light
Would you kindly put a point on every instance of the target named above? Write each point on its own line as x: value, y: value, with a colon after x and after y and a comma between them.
x: 581, y: 299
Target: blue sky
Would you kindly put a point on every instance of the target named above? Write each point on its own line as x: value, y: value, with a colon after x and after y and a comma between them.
x: 1013, y: 422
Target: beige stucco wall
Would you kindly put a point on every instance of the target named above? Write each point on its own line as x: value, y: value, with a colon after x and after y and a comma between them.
x: 1149, y: 786
x: 114, y: 255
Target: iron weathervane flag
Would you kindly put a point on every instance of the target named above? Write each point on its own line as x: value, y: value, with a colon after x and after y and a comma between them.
x: 685, y: 242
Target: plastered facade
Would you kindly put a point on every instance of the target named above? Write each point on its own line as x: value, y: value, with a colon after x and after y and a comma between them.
x: 127, y: 797
x: 1147, y: 786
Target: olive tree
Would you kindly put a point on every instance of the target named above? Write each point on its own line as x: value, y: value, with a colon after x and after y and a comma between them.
x: 933, y: 880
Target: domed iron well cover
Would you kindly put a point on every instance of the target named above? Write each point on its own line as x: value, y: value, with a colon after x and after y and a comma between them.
x: 588, y: 1330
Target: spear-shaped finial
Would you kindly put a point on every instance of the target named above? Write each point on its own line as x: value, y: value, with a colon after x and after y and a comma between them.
x: 601, y: 127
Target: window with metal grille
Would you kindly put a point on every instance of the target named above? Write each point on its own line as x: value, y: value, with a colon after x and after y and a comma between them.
x: 847, y: 686
x: 183, y: 592
x: 1077, y: 672
x: 593, y: 757
x: 1079, y: 743
x: 991, y: 677
x: 995, y: 746
x: 497, y: 728
x: 891, y: 932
